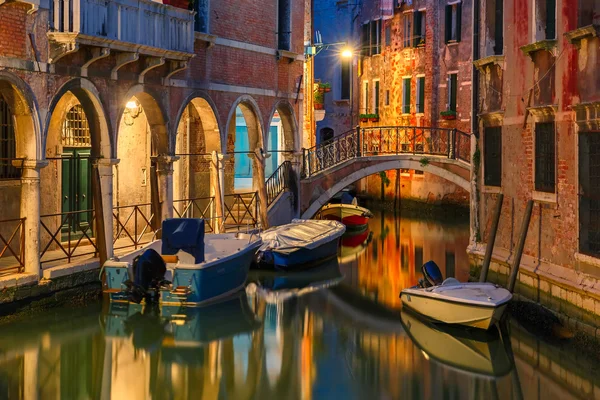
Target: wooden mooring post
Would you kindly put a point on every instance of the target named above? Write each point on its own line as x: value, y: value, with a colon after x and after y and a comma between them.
x: 514, y: 273
x: 491, y: 240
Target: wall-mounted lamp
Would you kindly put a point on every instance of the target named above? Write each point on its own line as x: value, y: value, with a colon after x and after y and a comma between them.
x: 132, y: 110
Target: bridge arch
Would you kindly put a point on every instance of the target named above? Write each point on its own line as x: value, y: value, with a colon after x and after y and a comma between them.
x: 398, y: 163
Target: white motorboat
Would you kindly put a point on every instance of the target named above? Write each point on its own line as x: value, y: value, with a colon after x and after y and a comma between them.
x: 473, y: 304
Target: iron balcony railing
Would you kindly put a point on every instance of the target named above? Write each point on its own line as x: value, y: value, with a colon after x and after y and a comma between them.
x: 12, y: 244
x: 241, y: 209
x: 201, y: 207
x: 133, y: 226
x: 279, y: 181
x: 364, y: 142
x: 67, y: 235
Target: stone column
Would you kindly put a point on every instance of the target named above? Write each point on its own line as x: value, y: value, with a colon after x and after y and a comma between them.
x: 474, y: 198
x: 164, y: 171
x: 259, y: 185
x: 30, y: 210
x: 217, y: 188
x: 105, y: 172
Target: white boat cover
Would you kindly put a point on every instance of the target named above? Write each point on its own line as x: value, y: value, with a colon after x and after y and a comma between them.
x: 301, y: 233
x: 475, y: 293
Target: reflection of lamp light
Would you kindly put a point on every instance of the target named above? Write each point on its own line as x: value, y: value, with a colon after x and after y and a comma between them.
x: 132, y: 111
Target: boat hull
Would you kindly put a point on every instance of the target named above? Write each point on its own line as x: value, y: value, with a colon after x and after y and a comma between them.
x: 354, y: 217
x: 455, y: 313
x: 302, y: 256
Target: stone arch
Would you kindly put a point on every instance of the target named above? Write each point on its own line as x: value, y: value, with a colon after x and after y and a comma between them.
x: 155, y: 114
x: 339, y: 184
x: 85, y: 93
x: 198, y: 134
x: 25, y: 110
x: 289, y: 122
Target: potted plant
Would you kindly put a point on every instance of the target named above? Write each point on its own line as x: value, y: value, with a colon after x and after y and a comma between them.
x: 448, y: 115
x: 364, y: 117
x: 318, y: 100
x: 324, y: 87
x: 374, y: 117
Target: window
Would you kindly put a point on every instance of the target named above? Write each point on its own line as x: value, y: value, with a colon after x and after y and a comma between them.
x: 202, y: 16
x: 545, y: 19
x: 8, y: 145
x: 376, y: 98
x: 492, y: 156
x: 453, y: 22
x: 406, y: 20
x: 419, y: 29
x: 452, y: 83
x: 76, y: 131
x: 545, y: 159
x: 494, y: 26
x: 366, y: 97
x: 326, y: 134
x: 346, y: 80
x: 388, y: 35
x: 370, y: 38
x: 387, y: 97
x: 406, y: 96
x: 284, y: 32
x: 589, y: 13
x: 420, y: 95
x: 589, y: 197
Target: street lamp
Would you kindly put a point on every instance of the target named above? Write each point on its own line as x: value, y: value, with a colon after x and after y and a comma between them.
x: 347, y: 53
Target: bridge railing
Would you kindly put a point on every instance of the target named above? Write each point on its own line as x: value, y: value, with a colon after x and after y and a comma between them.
x: 278, y: 182
x: 387, y: 140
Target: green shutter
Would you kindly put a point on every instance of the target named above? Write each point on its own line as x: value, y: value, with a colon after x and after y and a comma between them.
x: 406, y: 96
x: 448, y: 26
x: 452, y: 102
x: 416, y: 28
x: 550, y: 19
x: 421, y: 98
x: 458, y: 20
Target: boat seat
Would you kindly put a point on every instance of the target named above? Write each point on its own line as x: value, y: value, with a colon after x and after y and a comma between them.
x: 450, y: 282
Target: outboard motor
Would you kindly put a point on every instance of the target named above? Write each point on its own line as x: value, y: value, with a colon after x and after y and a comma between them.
x: 431, y: 274
x: 148, y: 275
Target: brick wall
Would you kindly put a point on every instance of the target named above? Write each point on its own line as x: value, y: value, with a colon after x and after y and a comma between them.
x: 13, y: 35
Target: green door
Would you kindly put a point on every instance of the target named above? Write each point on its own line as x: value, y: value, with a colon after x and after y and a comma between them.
x: 76, y: 192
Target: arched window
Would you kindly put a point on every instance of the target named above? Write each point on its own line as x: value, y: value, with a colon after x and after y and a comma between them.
x: 76, y: 130
x: 8, y: 144
x: 326, y: 134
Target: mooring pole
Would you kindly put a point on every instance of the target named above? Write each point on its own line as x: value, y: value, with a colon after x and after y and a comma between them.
x: 517, y: 262
x: 491, y: 240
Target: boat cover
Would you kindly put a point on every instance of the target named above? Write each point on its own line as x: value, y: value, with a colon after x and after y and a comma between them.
x: 185, y: 234
x: 301, y: 233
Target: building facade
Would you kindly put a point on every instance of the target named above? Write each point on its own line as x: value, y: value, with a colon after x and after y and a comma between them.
x: 116, y: 115
x: 416, y: 71
x: 538, y: 113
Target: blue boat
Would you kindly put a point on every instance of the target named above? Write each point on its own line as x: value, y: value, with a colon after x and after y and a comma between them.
x: 184, y: 268
x: 300, y: 243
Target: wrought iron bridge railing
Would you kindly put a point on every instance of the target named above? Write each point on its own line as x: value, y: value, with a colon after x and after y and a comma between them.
x: 392, y: 140
x: 279, y: 181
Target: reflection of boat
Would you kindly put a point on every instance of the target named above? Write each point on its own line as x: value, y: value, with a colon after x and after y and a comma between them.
x: 353, y: 245
x: 276, y: 285
x: 478, y: 305
x: 203, y: 268
x: 300, y: 243
x: 178, y: 330
x: 475, y: 352
x: 353, y: 216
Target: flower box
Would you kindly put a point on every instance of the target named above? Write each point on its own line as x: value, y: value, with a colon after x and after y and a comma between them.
x: 319, y: 106
x: 448, y: 115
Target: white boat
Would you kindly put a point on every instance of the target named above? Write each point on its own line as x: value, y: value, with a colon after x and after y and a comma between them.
x: 473, y: 304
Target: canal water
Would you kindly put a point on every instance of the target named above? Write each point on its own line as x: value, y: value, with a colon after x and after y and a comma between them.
x: 333, y: 332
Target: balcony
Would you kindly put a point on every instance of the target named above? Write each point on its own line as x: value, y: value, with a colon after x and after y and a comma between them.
x: 128, y: 27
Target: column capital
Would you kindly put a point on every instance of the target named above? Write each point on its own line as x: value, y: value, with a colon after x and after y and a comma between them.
x: 164, y: 159
x: 30, y: 164
x: 105, y: 162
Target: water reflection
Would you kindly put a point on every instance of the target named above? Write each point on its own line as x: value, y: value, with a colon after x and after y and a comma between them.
x: 280, y: 340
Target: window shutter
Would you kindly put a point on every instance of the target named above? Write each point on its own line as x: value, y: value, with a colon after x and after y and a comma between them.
x: 408, y: 87
x: 499, y: 28
x: 448, y: 26
x: 416, y: 28
x: 452, y: 91
x: 550, y: 19
x: 458, y: 20
x: 421, y: 97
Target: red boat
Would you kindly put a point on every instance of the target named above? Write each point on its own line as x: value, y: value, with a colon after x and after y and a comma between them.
x: 354, y: 217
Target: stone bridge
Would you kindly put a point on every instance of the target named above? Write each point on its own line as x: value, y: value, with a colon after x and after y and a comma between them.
x: 333, y: 165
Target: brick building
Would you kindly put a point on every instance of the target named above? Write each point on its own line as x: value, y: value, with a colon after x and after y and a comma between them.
x: 416, y: 70
x: 110, y: 113
x: 538, y: 111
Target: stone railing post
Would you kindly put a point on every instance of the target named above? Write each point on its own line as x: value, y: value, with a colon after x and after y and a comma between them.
x: 164, y: 171
x: 30, y: 210
x: 105, y: 172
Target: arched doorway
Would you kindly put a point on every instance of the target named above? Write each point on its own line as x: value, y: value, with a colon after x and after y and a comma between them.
x: 19, y: 188
x: 281, y: 136
x: 72, y: 209
x: 142, y: 139
x: 198, y: 135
